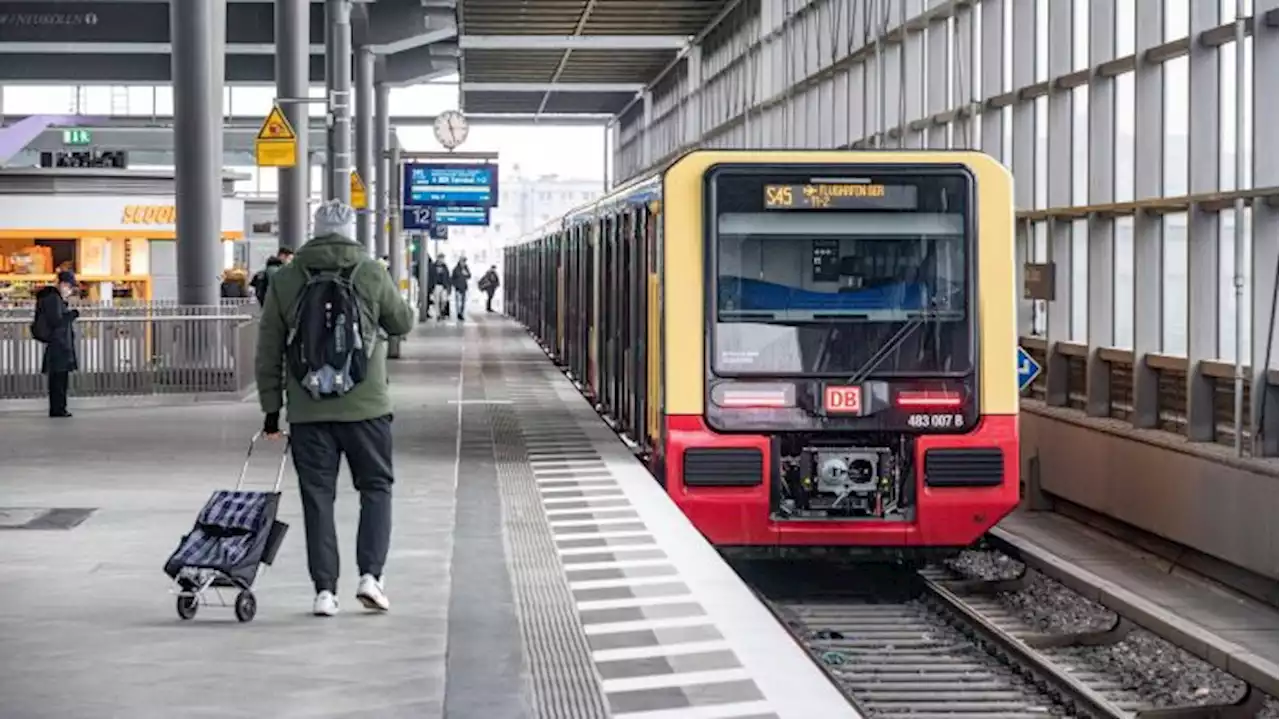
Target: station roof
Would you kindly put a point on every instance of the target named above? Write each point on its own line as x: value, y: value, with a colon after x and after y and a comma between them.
x: 534, y: 57
x: 128, y: 42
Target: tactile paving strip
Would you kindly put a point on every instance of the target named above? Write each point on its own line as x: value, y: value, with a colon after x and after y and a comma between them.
x: 652, y: 644
x: 564, y: 682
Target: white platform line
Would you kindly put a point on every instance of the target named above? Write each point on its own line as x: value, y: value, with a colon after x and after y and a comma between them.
x: 603, y: 491
x: 590, y: 500
x: 573, y: 551
x: 677, y: 679
x: 621, y: 582
x: 580, y: 482
x: 570, y: 523
x: 605, y: 535
x: 720, y: 711
x: 642, y: 624
x: 620, y: 564
x: 629, y: 602
x: 660, y: 650
x: 608, y: 511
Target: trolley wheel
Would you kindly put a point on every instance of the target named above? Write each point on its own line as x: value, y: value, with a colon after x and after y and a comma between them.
x: 187, y: 606
x: 246, y: 606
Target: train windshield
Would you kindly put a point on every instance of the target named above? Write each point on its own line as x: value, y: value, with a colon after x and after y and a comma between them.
x: 854, y: 276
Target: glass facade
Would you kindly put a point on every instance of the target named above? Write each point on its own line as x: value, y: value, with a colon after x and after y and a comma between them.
x: 1118, y: 121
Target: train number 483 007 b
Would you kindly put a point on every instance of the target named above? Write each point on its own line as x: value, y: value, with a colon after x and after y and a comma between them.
x: 935, y: 421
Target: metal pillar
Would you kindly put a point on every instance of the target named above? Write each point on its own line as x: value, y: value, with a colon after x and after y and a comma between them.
x: 397, y: 235
x: 198, y: 48
x: 383, y: 174
x: 293, y: 37
x: 364, y: 145
x: 337, y: 16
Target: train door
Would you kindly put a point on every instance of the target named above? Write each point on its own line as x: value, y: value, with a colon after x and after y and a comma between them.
x: 594, y: 252
x: 637, y: 279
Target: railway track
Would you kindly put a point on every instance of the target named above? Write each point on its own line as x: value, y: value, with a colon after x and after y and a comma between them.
x: 903, y: 643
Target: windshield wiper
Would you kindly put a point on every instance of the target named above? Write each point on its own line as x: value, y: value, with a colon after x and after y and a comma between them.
x: 892, y: 345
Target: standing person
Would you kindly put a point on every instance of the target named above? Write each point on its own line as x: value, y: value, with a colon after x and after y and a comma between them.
x: 52, y: 326
x: 488, y: 285
x: 263, y: 277
x: 321, y: 323
x: 461, y: 278
x: 440, y: 286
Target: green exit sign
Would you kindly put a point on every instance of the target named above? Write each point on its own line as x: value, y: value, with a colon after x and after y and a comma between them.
x: 77, y: 137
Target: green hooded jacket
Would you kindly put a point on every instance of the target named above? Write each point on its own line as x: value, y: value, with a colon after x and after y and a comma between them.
x: 383, y: 309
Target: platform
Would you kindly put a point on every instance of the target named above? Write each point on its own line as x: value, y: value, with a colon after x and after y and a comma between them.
x: 536, y: 569
x: 1232, y: 632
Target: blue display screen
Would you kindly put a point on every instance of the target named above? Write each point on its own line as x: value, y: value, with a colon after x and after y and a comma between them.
x: 425, y: 218
x: 433, y: 185
x: 472, y: 216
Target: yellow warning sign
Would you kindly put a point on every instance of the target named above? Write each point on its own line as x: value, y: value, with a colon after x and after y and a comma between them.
x: 276, y: 144
x: 359, y: 194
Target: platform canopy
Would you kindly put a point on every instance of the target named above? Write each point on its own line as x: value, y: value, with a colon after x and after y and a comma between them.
x: 535, y: 57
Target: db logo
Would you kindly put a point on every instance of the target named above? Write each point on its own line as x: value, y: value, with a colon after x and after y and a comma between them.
x: 845, y: 400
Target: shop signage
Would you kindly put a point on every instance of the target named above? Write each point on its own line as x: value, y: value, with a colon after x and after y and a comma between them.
x: 149, y: 215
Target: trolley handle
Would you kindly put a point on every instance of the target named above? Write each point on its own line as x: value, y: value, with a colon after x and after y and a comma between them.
x: 248, y: 456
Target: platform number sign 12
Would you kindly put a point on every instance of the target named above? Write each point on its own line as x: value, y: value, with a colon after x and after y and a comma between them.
x: 1028, y: 369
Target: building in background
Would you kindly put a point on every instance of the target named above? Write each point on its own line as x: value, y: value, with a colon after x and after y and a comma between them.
x: 524, y: 204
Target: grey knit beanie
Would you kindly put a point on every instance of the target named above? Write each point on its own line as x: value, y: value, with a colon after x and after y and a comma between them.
x: 335, y: 218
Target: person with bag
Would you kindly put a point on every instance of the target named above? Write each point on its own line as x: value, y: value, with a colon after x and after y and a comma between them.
x: 263, y: 277
x: 489, y: 284
x: 322, y: 359
x: 52, y: 327
x: 460, y: 278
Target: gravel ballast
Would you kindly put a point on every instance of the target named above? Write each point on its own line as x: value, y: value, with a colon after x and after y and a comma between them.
x: 1159, y: 671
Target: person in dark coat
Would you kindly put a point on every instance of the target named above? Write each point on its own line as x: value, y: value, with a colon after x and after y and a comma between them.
x: 439, y: 290
x: 54, y: 319
x: 488, y: 285
x: 461, y: 279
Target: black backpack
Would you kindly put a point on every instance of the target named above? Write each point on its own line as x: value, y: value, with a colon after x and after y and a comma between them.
x: 325, y: 349
x: 40, y: 329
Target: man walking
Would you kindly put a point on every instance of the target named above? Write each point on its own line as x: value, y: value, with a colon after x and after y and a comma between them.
x: 319, y: 345
x: 263, y: 277
x: 52, y: 326
x: 461, y: 279
x: 489, y: 284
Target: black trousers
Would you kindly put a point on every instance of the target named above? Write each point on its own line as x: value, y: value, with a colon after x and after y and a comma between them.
x: 317, y: 451
x: 59, y: 383
x: 488, y: 302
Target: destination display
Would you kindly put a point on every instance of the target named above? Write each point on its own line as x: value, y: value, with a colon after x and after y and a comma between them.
x: 840, y: 196
x: 442, y: 185
x: 426, y: 218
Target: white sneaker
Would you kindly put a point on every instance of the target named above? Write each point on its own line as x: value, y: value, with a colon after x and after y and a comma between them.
x: 326, y: 604
x: 370, y: 594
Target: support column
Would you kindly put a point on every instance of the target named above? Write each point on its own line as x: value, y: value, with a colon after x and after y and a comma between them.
x: 1148, y: 228
x: 383, y: 175
x: 1202, y: 226
x: 365, y: 219
x: 338, y: 62
x: 1058, y: 326
x: 293, y: 38
x: 1023, y: 162
x: 1102, y: 155
x: 992, y: 78
x: 1266, y: 224
x: 197, y: 108
x: 397, y: 239
x: 397, y: 232
x: 693, y: 113
x: 646, y: 130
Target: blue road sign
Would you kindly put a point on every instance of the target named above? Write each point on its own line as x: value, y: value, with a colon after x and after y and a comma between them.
x: 1028, y: 369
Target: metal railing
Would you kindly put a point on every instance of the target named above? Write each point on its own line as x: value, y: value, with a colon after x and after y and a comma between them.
x: 140, y: 350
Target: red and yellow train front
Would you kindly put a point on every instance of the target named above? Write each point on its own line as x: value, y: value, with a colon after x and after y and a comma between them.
x: 839, y: 347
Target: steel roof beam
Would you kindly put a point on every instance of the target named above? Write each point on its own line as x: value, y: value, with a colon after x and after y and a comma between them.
x: 109, y: 126
x: 549, y: 87
x: 572, y: 42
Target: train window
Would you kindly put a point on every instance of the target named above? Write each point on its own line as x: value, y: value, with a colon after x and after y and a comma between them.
x: 892, y: 295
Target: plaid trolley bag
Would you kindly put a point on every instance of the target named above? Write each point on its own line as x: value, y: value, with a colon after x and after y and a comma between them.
x: 235, y: 533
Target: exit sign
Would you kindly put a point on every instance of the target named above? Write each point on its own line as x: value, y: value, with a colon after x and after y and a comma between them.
x: 77, y: 137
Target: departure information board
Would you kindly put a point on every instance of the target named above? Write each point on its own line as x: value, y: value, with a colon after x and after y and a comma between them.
x: 840, y: 196
x: 440, y: 184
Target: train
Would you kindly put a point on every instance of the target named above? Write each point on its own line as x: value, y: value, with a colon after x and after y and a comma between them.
x: 812, y: 350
